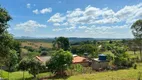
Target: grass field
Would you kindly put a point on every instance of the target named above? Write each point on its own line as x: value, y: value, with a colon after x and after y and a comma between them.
x: 126, y: 74
x: 19, y: 75
x: 36, y: 45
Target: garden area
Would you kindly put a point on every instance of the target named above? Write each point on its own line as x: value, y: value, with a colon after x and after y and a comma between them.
x: 125, y: 74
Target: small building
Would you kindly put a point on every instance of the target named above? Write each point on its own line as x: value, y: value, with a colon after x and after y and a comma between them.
x: 43, y: 59
x: 80, y: 60
x: 100, y: 63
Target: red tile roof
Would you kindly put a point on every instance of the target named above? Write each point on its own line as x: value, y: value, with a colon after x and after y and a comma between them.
x: 78, y: 59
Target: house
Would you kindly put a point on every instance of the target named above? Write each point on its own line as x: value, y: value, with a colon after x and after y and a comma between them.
x: 43, y: 59
x: 76, y: 60
x: 80, y: 60
x: 100, y: 63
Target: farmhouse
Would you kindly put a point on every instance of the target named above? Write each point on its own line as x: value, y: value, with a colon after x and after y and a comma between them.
x: 100, y: 63
x: 80, y: 60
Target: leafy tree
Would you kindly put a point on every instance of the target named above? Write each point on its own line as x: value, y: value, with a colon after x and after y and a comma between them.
x: 4, y: 18
x: 12, y: 60
x: 24, y: 65
x: 137, y: 29
x: 121, y: 58
x: 4, y: 36
x: 137, y: 32
x: 6, y: 39
x: 110, y: 56
x: 132, y: 45
x: 5, y: 46
x: 34, y: 67
x: 31, y: 65
x: 74, y: 49
x: 17, y: 46
x: 61, y: 43
x: 94, y: 42
x: 59, y: 62
x: 92, y: 50
x: 86, y: 48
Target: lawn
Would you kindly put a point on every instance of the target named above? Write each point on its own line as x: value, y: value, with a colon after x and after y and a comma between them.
x: 19, y: 75
x: 126, y: 74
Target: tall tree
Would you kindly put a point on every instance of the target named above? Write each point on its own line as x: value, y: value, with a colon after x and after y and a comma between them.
x: 31, y: 65
x: 61, y: 43
x: 5, y: 45
x: 12, y: 61
x: 137, y: 32
x: 34, y: 67
x: 59, y: 62
x: 5, y: 38
x: 24, y: 65
x: 4, y: 18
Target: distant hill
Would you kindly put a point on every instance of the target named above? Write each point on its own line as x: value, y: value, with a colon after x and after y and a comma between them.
x: 71, y: 39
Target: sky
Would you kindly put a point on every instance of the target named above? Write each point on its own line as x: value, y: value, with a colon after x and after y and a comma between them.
x: 73, y: 18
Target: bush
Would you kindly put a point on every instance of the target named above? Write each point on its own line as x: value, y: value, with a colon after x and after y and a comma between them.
x: 44, y: 53
x: 78, y: 68
x: 110, y: 56
x: 29, y: 48
x: 122, y: 59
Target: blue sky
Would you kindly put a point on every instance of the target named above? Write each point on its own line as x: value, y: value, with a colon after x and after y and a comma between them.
x: 73, y: 18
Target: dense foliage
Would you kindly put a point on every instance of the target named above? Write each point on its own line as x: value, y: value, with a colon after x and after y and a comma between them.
x: 32, y: 66
x: 59, y: 62
x: 61, y: 43
x: 137, y: 32
x: 9, y: 48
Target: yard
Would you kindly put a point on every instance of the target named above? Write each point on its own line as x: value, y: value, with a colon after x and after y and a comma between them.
x: 126, y: 74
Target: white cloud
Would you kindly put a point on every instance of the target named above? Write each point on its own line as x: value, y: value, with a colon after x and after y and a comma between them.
x: 65, y: 24
x: 128, y: 12
x: 43, y: 11
x: 103, y: 29
x: 82, y: 27
x: 28, y: 5
x: 98, y: 20
x: 36, y: 11
x: 56, y: 18
x: 105, y: 21
x: 29, y: 26
x: 46, y: 10
x: 75, y: 13
x: 56, y: 24
x: 70, y: 28
x: 57, y: 29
